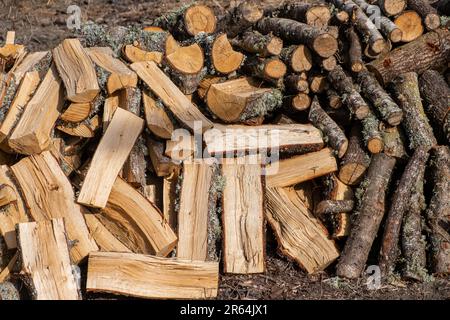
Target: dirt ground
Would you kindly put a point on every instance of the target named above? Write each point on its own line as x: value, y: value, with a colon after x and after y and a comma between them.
x: 41, y: 25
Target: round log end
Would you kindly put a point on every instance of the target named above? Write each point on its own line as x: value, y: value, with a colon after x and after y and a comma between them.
x: 394, y: 7
x: 329, y: 64
x: 410, y: 23
x: 325, y: 45
x: 301, y: 59
x: 396, y: 35
x: 275, y: 69
x: 375, y: 145
x: 224, y: 58
x: 432, y: 21
x: 342, y: 16
x: 199, y: 18
x: 251, y: 11
x: 301, y: 102
x: 378, y: 45
x: 357, y: 66
x: 362, y: 112
x: 395, y: 118
x: 318, y: 16
x: 274, y: 46
x: 187, y: 60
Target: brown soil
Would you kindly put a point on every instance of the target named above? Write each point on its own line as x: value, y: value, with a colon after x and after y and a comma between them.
x: 41, y: 25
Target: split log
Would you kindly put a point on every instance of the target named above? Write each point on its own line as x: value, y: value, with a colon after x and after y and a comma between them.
x: 322, y: 43
x: 136, y: 222
x: 373, y: 138
x: 194, y: 209
x: 391, y: 7
x: 316, y: 14
x: 7, y: 271
x: 399, y: 203
x: 242, y: 17
x: 120, y: 76
x: 344, y: 86
x: 367, y: 221
x: 170, y: 95
x: 428, y: 13
x: 76, y: 112
x: 180, y: 147
x: 430, y: 51
x: 415, y: 121
x: 32, y: 132
x: 394, y: 142
x: 12, y: 209
x: 158, y: 122
x: 257, y: 43
x: 76, y: 70
x: 162, y: 165
x: 335, y: 136
x: 297, y: 57
x: 206, y: 83
x: 240, y: 99
x: 46, y: 262
x: 170, y: 198
x: 383, y: 103
x: 438, y: 212
x: 113, y: 152
x: 151, y: 277
x: 337, y: 190
x: 243, y: 216
x: 436, y: 93
x: 355, y: 161
x: 85, y: 129
x: 109, y: 107
x: 288, y: 172
x: 300, y: 235
x: 238, y: 138
x: 134, y: 54
x: 53, y: 199
x: 269, y: 69
x: 326, y: 207
x: 410, y: 23
x: 340, y: 17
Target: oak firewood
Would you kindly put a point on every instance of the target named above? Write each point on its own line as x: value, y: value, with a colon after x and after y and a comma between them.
x: 355, y: 161
x: 240, y: 99
x: 300, y: 235
x: 76, y: 112
x: 53, y: 199
x: 269, y: 69
x: 394, y: 142
x: 415, y: 121
x: 333, y: 206
x: 243, y: 216
x: 255, y: 42
x: 334, y: 99
x: 295, y: 83
x: 84, y: 129
x: 151, y: 277
x: 241, y: 17
x: 438, y: 212
x: 410, y: 23
x: 430, y: 51
x: 335, y: 136
x: 232, y: 139
x: 373, y: 138
x: 162, y: 165
x: 170, y: 95
x: 383, y: 103
x: 170, y: 198
x: 113, y: 152
x: 436, y: 93
x: 354, y: 51
x: 399, y: 203
x: 429, y: 14
x: 370, y: 210
x: 322, y: 43
x: 297, y: 57
x: 46, y: 263
x: 316, y: 14
x: 300, y: 102
x: 391, y: 7
x: 288, y: 172
x: 318, y: 83
x: 158, y: 122
x: 340, y: 17
x: 134, y: 54
x: 344, y: 86
x: 109, y: 107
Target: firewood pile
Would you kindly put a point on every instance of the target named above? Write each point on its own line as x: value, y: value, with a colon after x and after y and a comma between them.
x: 161, y: 156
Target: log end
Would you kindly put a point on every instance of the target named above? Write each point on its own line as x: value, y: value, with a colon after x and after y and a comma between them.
x: 375, y: 145
x: 200, y: 18
x: 395, y: 118
x: 325, y: 45
x: 275, y: 69
x: 394, y: 7
x: 396, y: 35
x: 432, y: 21
x: 274, y: 46
x: 301, y: 102
x: 378, y: 45
x: 410, y: 23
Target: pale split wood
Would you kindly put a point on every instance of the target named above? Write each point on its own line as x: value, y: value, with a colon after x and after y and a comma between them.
x: 48, y: 194
x: 76, y: 112
x: 171, y: 96
x: 151, y: 277
x: 300, y: 235
x: 109, y: 107
x: 112, y: 152
x: 134, y: 54
x: 45, y: 260
x: 158, y: 122
x: 169, y: 199
x: 243, y: 216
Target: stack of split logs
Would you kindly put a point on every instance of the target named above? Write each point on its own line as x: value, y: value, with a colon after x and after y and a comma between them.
x: 151, y: 154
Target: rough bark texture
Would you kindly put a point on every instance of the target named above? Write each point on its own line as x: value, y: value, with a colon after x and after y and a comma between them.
x: 270, y: 69
x: 263, y: 45
x: 383, y: 103
x: 335, y: 135
x: 394, y: 142
x: 438, y: 212
x: 373, y: 138
x: 430, y: 51
x: 368, y: 218
x: 296, y: 83
x: 415, y: 121
x: 241, y: 18
x: 436, y: 93
x: 399, y: 203
x: 354, y: 51
x: 333, y: 206
x: 356, y: 161
x: 315, y: 14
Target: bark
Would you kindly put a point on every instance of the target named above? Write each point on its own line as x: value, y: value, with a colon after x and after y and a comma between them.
x: 333, y: 206
x: 368, y: 218
x: 430, y: 51
x: 355, y: 161
x: 373, y: 138
x: 394, y: 142
x: 344, y: 86
x: 315, y: 14
x: 324, y: 44
x: 436, y: 93
x: 334, y: 100
x: 429, y: 14
x: 400, y: 200
x: 354, y: 51
x: 241, y: 18
x: 296, y: 83
x: 438, y: 212
x: 263, y: 45
x: 335, y: 135
x: 415, y: 121
x: 387, y: 109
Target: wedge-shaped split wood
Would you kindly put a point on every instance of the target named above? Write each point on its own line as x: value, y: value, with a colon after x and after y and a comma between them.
x: 48, y: 194
x: 171, y: 96
x: 240, y: 138
x: 136, y: 222
x: 300, y: 235
x: 120, y: 75
x: 76, y: 70
x: 112, y: 152
x: 243, y: 216
x: 158, y: 122
x: 32, y: 133
x: 288, y: 172
x: 135, y: 54
x: 151, y: 277
x: 46, y: 260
